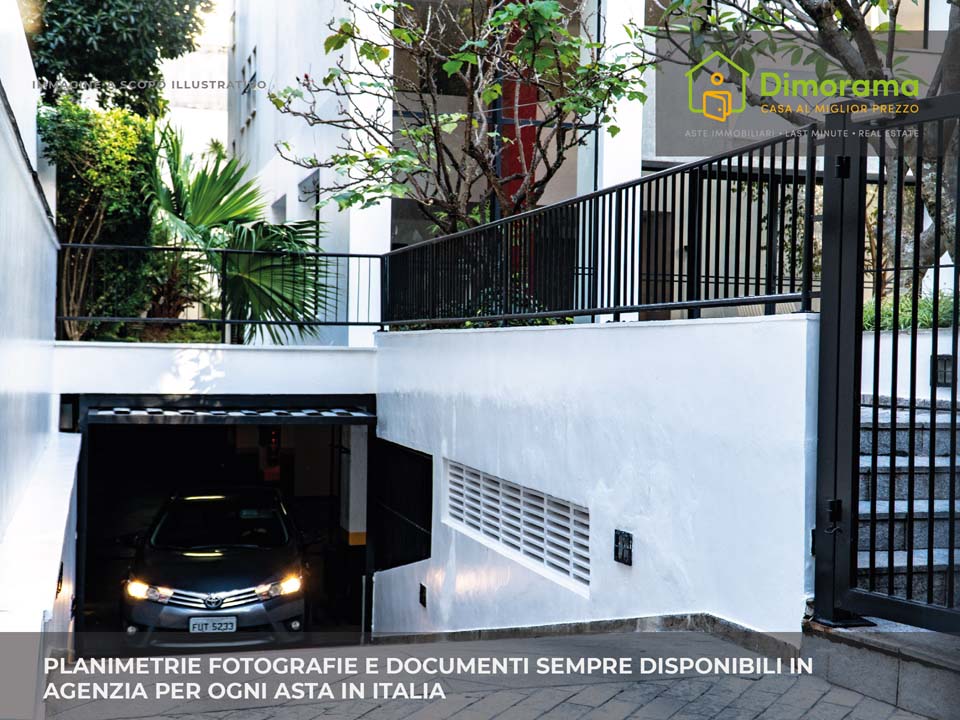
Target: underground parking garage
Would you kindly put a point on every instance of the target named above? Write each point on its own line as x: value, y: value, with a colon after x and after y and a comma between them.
x: 158, y: 478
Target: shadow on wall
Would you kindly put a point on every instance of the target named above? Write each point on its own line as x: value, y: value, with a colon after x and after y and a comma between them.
x: 194, y: 371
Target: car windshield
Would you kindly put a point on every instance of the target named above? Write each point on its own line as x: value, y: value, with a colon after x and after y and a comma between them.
x: 217, y: 521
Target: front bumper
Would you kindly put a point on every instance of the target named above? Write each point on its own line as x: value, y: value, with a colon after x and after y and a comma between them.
x: 261, y: 622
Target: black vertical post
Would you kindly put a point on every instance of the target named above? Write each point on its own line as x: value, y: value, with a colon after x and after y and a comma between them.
x: 506, y: 241
x: 809, y: 200
x: 618, y: 222
x: 773, y: 237
x: 839, y: 368
x: 693, y: 240
x: 384, y: 290
x: 224, y: 327
x: 80, y: 570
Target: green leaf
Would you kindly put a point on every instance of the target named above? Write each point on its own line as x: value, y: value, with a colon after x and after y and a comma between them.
x: 402, y: 34
x: 339, y: 39
x: 334, y: 42
x: 452, y: 67
x: 491, y: 93
x: 467, y: 57
x: 745, y: 60
x: 821, y: 66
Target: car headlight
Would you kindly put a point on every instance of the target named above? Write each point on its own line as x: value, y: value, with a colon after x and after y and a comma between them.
x: 289, y: 585
x: 141, y: 591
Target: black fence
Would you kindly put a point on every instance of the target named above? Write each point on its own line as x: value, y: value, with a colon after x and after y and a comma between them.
x: 887, y: 521
x: 731, y: 230
x: 190, y: 294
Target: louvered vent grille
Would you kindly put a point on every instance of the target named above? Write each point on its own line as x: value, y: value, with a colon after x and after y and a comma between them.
x: 545, y: 529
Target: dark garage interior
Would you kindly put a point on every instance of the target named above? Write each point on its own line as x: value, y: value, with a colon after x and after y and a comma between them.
x: 133, y: 468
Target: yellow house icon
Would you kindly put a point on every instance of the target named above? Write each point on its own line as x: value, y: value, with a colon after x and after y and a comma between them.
x: 716, y: 103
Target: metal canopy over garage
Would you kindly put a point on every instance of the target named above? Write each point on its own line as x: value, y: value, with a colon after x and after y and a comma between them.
x: 351, y: 415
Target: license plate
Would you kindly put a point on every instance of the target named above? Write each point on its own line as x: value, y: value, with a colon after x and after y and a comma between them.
x: 213, y: 624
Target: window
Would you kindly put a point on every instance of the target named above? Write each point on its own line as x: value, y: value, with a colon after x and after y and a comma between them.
x: 218, y: 521
x: 542, y: 528
x: 248, y: 93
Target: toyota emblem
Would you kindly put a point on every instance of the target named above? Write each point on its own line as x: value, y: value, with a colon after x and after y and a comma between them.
x: 212, y: 601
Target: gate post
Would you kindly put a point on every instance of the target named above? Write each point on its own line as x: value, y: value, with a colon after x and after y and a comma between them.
x: 838, y: 423
x: 694, y: 198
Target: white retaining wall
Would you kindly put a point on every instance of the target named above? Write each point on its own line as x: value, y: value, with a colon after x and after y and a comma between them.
x: 904, y: 342
x: 696, y: 436
x: 174, y: 369
x: 37, y: 464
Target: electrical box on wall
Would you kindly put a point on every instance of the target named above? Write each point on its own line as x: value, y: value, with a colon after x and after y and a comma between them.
x: 623, y: 547
x: 941, y: 371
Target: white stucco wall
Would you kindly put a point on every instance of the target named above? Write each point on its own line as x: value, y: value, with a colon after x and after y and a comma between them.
x: 18, y: 77
x: 696, y: 436
x: 174, y: 369
x: 620, y: 156
x: 28, y: 257
x: 904, y: 342
x: 37, y: 464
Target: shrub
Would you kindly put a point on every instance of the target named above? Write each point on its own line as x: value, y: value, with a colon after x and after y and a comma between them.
x: 905, y: 311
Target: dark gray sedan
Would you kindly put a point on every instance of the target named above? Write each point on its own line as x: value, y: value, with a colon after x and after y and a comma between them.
x: 217, y: 567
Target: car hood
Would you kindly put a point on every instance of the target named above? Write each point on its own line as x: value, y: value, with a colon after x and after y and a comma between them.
x: 215, y: 570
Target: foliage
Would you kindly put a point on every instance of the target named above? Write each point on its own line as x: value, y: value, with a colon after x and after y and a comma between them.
x: 836, y: 45
x: 192, y: 203
x: 276, y: 277
x: 195, y: 333
x: 116, y: 46
x: 187, y: 332
x: 105, y: 154
x: 834, y: 41
x: 905, y: 312
x: 270, y: 273
x: 489, y: 303
x: 421, y: 92
x: 175, y: 280
x: 119, y: 287
x: 103, y: 160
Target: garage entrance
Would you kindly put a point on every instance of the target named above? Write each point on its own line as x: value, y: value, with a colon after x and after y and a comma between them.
x: 140, y: 451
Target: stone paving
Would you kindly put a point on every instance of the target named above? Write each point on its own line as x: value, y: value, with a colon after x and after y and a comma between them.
x: 531, y: 697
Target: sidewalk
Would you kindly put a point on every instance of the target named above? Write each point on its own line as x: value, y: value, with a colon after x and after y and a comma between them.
x: 768, y: 697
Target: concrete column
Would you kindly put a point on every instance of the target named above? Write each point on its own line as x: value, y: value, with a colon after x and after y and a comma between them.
x: 353, y: 497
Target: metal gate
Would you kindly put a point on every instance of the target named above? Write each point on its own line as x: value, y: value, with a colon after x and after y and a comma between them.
x: 886, y: 525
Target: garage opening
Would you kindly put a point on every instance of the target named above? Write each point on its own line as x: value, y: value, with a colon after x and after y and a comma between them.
x: 141, y: 459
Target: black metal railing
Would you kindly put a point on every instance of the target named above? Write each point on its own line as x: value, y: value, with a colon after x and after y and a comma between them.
x: 887, y: 526
x: 191, y: 294
x: 730, y: 230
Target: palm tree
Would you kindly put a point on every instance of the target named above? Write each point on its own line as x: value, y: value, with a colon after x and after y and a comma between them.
x: 269, y: 273
x: 272, y: 274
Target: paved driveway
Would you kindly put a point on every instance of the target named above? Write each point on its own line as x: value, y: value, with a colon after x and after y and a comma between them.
x: 531, y: 696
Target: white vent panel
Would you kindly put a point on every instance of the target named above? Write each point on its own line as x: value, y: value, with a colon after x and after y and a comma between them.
x: 544, y: 529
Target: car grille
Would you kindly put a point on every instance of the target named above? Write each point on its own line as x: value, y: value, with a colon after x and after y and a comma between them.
x: 232, y: 598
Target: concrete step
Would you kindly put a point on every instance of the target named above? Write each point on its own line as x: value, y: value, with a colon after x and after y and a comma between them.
x: 916, y: 670
x: 925, y: 424
x: 919, y: 579
x: 921, y: 524
x: 901, y: 476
